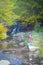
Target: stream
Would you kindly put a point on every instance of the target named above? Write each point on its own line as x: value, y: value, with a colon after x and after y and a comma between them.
x: 12, y: 59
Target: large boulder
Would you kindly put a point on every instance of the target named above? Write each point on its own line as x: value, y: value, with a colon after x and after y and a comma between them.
x: 19, y: 38
x: 4, y: 62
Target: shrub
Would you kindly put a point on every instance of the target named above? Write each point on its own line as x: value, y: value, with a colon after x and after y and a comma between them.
x: 37, y: 27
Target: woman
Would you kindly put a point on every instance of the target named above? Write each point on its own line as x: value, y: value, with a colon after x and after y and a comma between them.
x: 30, y: 40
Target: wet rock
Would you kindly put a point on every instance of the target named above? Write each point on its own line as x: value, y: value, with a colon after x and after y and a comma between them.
x: 4, y: 62
x: 12, y: 59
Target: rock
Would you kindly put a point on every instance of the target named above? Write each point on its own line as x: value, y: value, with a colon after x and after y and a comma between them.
x: 42, y: 62
x: 21, y: 44
x: 19, y: 38
x: 4, y: 62
x: 33, y: 48
x: 10, y: 59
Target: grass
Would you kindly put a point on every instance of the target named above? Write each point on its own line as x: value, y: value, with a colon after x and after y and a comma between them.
x: 38, y: 41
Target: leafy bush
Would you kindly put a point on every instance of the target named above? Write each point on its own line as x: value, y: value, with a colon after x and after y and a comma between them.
x: 37, y: 27
x: 41, y: 30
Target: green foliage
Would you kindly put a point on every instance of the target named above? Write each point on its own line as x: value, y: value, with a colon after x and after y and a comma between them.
x: 26, y: 10
x: 41, y: 30
x: 3, y: 31
x: 38, y: 41
x: 5, y: 11
x: 37, y: 27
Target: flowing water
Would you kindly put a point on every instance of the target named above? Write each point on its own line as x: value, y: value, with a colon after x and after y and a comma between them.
x: 12, y: 59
